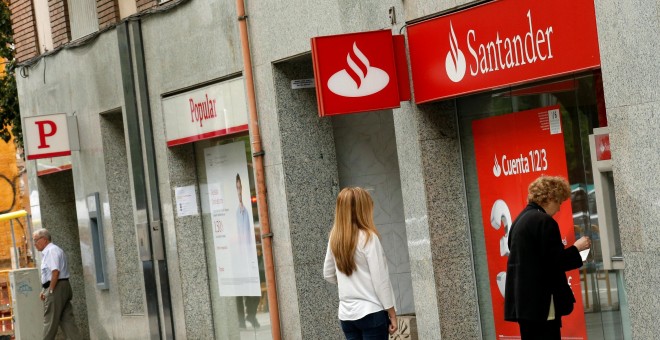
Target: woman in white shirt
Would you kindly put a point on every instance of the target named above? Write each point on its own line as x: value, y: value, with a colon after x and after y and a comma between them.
x: 355, y: 261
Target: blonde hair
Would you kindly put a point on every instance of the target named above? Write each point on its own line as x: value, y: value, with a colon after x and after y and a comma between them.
x: 353, y: 212
x: 548, y: 188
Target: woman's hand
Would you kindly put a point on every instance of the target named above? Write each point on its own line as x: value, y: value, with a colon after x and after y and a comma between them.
x: 583, y: 243
x: 394, y: 325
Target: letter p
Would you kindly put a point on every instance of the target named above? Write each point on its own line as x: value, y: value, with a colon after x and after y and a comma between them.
x: 52, y: 129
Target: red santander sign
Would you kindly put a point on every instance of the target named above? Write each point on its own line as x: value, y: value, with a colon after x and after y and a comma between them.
x: 355, y: 72
x: 501, y: 43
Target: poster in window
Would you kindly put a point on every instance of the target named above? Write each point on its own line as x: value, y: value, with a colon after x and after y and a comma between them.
x: 511, y: 151
x: 232, y: 222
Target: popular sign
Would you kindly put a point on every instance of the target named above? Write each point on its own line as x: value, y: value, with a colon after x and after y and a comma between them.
x: 355, y: 72
x: 47, y: 136
x: 208, y: 112
x: 505, y: 168
x: 501, y: 43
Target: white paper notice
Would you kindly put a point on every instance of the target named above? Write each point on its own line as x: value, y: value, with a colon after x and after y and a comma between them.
x: 584, y: 254
x: 186, y: 201
x: 555, y: 121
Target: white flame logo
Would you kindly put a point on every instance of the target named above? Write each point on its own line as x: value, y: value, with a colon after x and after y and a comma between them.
x: 360, y: 78
x: 497, y: 170
x: 455, y: 61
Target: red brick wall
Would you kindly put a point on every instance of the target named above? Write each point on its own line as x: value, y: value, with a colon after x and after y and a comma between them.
x: 25, y: 30
x: 145, y: 4
x: 108, y: 12
x: 59, y: 22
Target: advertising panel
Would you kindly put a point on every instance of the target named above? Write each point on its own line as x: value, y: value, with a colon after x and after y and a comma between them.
x: 501, y: 43
x: 506, y: 164
x: 232, y: 221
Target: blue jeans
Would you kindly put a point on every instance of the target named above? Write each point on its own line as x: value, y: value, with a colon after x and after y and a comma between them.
x: 373, y: 326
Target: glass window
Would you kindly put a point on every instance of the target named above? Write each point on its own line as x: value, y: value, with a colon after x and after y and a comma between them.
x: 232, y: 238
x: 581, y: 105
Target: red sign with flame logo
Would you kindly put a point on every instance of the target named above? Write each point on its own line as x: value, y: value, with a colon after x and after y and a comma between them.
x: 505, y: 168
x: 355, y: 72
x: 603, y: 151
x: 501, y: 43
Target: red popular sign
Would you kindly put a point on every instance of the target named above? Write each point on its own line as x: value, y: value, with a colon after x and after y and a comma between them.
x: 501, y: 43
x: 355, y: 72
x: 505, y: 168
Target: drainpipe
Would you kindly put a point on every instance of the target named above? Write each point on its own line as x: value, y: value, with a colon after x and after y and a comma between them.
x: 257, y: 155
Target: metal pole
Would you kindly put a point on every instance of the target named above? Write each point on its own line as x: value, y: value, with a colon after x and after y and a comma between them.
x: 28, y: 218
x: 260, y: 181
x: 13, y: 242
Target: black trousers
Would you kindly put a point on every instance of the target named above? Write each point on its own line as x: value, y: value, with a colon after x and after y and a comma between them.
x: 248, y: 305
x: 540, y: 330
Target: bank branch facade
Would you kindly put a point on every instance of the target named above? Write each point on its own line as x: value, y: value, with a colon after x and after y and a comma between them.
x: 195, y: 187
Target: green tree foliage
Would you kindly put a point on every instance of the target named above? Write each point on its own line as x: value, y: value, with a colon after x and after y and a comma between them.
x: 9, y: 110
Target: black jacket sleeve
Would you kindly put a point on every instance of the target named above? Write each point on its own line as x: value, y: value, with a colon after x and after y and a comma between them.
x: 558, y: 257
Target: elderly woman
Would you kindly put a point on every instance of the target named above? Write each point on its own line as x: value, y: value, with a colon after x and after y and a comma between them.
x: 537, y: 294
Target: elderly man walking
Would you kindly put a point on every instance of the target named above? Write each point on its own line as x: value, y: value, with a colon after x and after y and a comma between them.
x: 56, y: 293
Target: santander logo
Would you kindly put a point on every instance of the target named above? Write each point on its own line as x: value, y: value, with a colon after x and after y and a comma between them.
x: 455, y: 61
x: 497, y: 170
x: 499, y: 52
x: 359, y: 79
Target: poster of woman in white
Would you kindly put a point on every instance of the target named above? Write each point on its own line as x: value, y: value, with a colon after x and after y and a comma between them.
x: 233, y: 224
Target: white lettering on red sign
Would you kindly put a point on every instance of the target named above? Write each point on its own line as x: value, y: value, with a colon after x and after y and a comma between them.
x: 501, y: 43
x: 499, y: 54
x: 200, y: 111
x: 536, y: 162
x: 516, y: 48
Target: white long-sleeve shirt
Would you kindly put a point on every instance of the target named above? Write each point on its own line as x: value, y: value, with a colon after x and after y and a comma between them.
x: 368, y: 289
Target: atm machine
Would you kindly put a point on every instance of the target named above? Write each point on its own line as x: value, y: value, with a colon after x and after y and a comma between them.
x: 610, y: 261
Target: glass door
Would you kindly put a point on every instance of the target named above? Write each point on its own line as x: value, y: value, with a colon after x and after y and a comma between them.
x: 232, y: 239
x: 582, y: 110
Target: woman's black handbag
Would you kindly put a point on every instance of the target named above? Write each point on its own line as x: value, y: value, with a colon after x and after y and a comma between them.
x: 564, y: 300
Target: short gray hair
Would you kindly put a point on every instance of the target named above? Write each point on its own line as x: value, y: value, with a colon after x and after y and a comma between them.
x: 42, y: 233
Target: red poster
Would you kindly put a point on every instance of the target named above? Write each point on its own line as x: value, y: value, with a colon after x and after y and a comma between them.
x: 511, y: 151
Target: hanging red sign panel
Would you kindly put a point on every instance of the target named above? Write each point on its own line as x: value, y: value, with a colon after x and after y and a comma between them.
x: 501, y: 43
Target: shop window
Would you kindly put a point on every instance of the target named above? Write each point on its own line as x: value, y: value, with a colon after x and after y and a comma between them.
x: 578, y: 102
x: 232, y: 238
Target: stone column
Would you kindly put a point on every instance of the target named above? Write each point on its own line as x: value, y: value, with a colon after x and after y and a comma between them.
x: 629, y: 47
x: 435, y: 206
x: 302, y: 182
